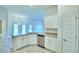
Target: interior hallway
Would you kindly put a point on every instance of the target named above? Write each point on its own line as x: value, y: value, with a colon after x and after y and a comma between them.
x: 33, y: 49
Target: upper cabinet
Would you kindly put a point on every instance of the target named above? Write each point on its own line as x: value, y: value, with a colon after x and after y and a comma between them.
x: 51, y: 21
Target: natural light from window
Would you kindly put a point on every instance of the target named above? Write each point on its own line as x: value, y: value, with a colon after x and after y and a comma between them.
x: 23, y: 29
x: 15, y: 29
x: 30, y: 28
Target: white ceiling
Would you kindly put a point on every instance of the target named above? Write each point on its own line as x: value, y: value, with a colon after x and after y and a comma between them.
x: 27, y: 9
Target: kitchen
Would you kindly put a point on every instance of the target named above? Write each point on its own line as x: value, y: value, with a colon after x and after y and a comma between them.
x: 39, y: 28
x: 41, y: 36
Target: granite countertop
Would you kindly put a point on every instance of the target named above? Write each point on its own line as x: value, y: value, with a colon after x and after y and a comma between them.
x: 41, y: 34
x: 32, y: 33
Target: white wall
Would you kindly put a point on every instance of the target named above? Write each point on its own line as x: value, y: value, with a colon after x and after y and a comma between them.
x: 14, y: 18
x: 51, y: 11
x: 4, y: 18
x: 9, y: 20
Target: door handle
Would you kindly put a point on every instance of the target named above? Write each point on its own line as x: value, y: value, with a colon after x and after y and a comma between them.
x: 65, y: 40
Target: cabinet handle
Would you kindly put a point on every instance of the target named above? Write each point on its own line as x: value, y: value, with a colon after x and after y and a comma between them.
x: 65, y: 40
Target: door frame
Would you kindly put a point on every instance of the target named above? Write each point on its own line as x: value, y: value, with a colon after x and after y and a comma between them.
x: 77, y: 32
x: 3, y: 33
x: 76, y: 24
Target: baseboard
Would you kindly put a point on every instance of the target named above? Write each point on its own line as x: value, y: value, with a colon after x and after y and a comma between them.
x: 50, y: 50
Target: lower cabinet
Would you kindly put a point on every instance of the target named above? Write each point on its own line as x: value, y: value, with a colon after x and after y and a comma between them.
x: 21, y: 41
x: 17, y: 42
x: 51, y: 43
x: 32, y: 39
x: 25, y: 40
x: 47, y: 42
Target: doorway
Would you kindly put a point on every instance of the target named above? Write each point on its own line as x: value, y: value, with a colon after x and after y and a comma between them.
x: 69, y: 32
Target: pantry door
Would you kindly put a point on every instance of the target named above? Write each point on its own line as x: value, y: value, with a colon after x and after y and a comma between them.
x: 69, y: 32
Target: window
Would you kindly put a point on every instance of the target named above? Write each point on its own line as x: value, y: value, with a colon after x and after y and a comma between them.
x: 30, y: 28
x: 15, y: 29
x: 39, y: 28
x: 23, y: 29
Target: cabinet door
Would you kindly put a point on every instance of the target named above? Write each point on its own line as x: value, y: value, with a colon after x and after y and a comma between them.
x: 54, y: 21
x: 46, y: 22
x: 47, y: 42
x: 51, y: 21
x: 19, y: 42
x: 25, y: 40
x: 33, y: 39
x: 53, y: 44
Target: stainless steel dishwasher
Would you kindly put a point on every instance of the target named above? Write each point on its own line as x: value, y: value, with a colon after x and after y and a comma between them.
x: 41, y: 41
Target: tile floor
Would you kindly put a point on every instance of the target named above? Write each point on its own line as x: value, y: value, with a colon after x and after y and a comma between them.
x: 32, y: 49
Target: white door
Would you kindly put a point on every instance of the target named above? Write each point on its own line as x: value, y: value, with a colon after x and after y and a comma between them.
x: 69, y: 32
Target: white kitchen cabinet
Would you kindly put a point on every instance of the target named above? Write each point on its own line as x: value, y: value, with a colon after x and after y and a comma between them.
x: 29, y: 39
x: 47, y: 42
x: 54, y: 21
x: 17, y: 42
x: 51, y: 21
x: 46, y: 22
x: 24, y: 40
x: 51, y: 43
x: 33, y: 39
